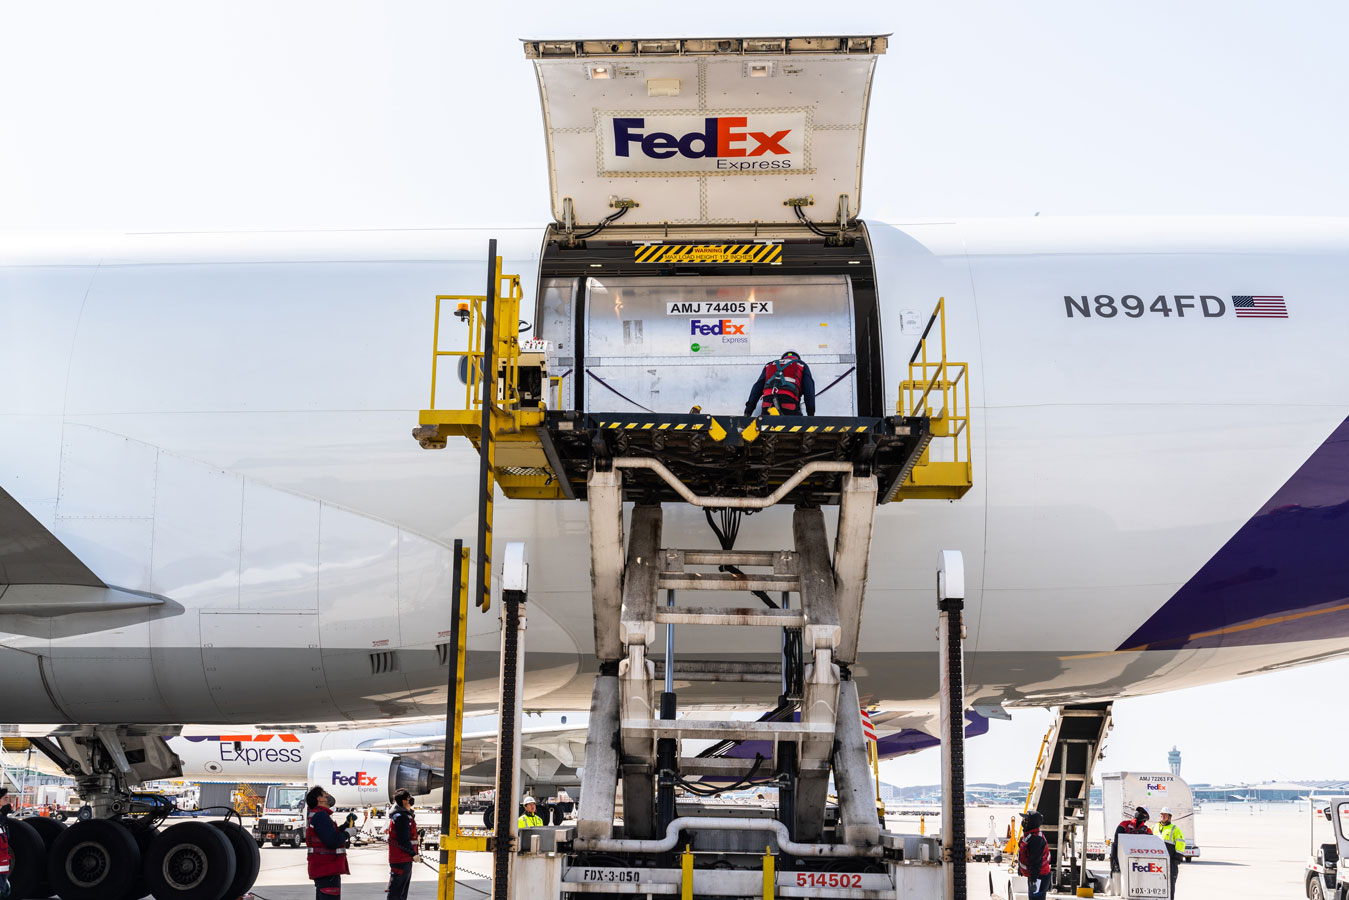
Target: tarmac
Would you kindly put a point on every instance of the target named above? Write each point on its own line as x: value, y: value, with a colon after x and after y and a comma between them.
x: 1248, y: 852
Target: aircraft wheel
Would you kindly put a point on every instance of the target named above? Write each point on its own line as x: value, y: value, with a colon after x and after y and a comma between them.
x: 247, y: 860
x: 49, y: 830
x: 558, y: 814
x: 190, y: 861
x: 28, y: 870
x: 144, y: 837
x: 93, y: 860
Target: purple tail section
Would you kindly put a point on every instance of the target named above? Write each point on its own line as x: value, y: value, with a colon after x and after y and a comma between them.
x: 1284, y: 576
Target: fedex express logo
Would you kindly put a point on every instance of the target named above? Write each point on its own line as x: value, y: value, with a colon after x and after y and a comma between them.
x: 1139, y: 865
x: 1155, y: 787
x: 721, y: 326
x: 241, y: 748
x: 358, y: 780
x: 760, y: 142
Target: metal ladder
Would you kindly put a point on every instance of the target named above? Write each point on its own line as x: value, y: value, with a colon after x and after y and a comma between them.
x: 1063, y: 786
x: 626, y: 702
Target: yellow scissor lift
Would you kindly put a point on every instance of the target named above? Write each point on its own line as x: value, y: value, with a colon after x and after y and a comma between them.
x: 737, y: 463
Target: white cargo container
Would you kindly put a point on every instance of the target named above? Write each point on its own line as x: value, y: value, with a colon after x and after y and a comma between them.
x: 1123, y: 792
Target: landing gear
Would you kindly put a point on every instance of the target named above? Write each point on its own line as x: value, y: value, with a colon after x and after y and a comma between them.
x: 190, y: 861
x: 93, y: 860
x: 116, y: 851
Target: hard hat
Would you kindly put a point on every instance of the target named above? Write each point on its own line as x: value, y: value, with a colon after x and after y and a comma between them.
x: 528, y: 800
x: 787, y: 353
x: 1141, y: 812
x: 1032, y: 818
x: 1166, y: 810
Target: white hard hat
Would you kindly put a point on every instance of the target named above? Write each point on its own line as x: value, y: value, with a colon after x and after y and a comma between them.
x: 528, y: 800
x: 1166, y: 810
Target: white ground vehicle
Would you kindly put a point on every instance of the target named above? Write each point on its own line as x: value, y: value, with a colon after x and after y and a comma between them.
x: 1122, y: 792
x: 1328, y: 866
x: 282, y: 819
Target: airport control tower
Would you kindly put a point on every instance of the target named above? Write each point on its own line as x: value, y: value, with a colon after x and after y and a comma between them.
x: 1173, y: 760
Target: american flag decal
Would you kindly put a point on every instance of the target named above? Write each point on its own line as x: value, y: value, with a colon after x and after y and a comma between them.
x: 1252, y: 307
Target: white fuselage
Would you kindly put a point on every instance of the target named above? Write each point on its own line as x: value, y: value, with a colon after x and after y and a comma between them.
x: 223, y: 421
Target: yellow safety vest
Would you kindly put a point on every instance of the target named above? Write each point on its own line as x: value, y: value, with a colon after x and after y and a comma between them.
x: 528, y: 821
x: 1172, y: 834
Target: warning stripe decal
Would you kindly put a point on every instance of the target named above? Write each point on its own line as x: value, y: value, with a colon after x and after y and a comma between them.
x: 770, y: 254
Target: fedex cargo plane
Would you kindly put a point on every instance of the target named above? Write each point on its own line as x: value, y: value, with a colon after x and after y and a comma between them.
x: 212, y: 510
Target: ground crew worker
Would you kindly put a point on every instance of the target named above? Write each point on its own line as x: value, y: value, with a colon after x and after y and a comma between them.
x: 785, y: 385
x: 5, y: 856
x: 1175, y: 843
x: 402, y: 845
x: 327, y: 845
x: 530, y: 819
x: 1136, y: 825
x: 1032, y: 855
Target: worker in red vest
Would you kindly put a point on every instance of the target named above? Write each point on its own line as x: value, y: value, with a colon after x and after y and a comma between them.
x: 1136, y: 825
x: 5, y: 856
x: 1032, y: 855
x: 327, y: 845
x: 785, y: 385
x: 402, y: 845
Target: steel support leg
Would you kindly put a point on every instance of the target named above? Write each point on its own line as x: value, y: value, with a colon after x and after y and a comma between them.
x: 950, y: 634
x: 514, y: 583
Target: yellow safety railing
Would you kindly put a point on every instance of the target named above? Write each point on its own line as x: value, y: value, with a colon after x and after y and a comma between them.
x: 506, y: 335
x: 516, y: 458
x: 938, y: 390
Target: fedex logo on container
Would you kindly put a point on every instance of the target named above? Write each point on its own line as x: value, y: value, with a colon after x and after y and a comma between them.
x: 725, y: 327
x: 767, y: 142
x: 1141, y: 866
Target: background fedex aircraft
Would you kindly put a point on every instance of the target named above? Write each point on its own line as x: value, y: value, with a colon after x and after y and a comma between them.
x: 554, y: 747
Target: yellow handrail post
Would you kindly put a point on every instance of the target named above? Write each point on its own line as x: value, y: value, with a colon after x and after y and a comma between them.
x: 450, y: 796
x: 686, y: 874
x: 769, y: 873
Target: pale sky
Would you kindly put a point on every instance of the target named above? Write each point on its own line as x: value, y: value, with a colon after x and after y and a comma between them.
x: 290, y: 114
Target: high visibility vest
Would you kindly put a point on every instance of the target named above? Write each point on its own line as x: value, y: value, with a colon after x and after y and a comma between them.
x: 1172, y: 834
x: 396, y: 853
x: 528, y: 821
x: 782, y: 384
x: 323, y: 860
x: 1027, y: 864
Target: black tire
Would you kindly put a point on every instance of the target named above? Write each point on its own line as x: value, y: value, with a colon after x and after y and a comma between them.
x: 190, y: 861
x: 143, y: 837
x: 489, y: 817
x: 85, y: 813
x: 28, y: 869
x: 1314, y: 887
x: 558, y: 814
x: 49, y: 830
x: 247, y: 860
x: 93, y: 860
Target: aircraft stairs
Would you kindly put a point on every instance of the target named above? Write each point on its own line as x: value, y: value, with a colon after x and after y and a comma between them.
x: 810, y: 589
x: 1061, y: 791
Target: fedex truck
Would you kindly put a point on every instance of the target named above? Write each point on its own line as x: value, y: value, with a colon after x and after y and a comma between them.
x: 1123, y: 792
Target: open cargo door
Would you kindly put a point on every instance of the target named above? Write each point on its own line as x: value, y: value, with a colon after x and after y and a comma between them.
x: 705, y: 132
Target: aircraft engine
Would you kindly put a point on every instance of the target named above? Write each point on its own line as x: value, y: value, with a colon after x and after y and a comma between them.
x: 367, y: 778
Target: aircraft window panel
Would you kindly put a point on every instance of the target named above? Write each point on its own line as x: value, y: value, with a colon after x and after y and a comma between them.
x: 667, y: 344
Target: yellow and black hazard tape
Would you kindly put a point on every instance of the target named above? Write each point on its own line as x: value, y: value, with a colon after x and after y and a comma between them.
x: 769, y: 254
